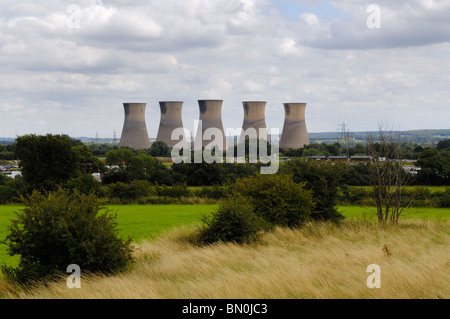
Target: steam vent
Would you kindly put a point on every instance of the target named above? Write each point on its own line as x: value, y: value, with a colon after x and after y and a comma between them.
x: 134, y: 132
x: 254, y: 117
x: 294, y: 133
x: 211, y: 117
x: 170, y: 120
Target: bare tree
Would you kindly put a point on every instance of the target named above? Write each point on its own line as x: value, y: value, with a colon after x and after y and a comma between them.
x: 388, y: 177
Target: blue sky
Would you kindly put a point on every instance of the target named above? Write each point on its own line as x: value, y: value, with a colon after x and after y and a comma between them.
x: 323, y: 9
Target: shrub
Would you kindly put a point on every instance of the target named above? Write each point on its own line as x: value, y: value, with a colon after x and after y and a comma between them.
x: 323, y: 179
x: 444, y: 198
x: 132, y: 191
x: 85, y: 184
x: 59, y: 229
x: 214, y: 192
x: 277, y: 199
x: 233, y: 221
x: 177, y: 190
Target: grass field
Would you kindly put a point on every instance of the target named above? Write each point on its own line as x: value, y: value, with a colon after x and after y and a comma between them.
x: 315, y: 261
x: 145, y: 222
x: 137, y: 221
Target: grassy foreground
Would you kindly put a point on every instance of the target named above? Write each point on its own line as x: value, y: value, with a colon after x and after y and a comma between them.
x: 144, y: 222
x: 316, y: 261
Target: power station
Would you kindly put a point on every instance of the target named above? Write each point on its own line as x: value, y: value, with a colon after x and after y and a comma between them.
x: 254, y: 117
x: 134, y: 132
x: 210, y: 117
x: 294, y: 134
x: 170, y: 120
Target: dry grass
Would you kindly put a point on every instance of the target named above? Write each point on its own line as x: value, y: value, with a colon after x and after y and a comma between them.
x: 317, y: 261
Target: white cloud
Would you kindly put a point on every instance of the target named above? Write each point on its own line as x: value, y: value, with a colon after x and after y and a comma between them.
x: 76, y: 79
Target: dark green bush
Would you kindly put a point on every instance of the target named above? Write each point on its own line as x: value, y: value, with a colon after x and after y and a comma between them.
x: 59, y: 229
x: 323, y: 179
x: 233, y: 221
x: 131, y: 191
x: 214, y: 192
x: 444, y: 198
x: 277, y: 199
x: 85, y: 184
x: 177, y: 190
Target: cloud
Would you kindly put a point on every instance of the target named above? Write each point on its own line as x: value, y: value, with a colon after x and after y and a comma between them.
x: 75, y: 79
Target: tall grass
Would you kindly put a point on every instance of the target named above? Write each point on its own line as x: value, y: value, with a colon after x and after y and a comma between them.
x: 317, y: 261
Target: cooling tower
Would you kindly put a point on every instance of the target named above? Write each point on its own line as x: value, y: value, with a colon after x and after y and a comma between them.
x: 134, y: 132
x: 170, y: 120
x: 254, y: 117
x: 294, y: 133
x: 211, y: 117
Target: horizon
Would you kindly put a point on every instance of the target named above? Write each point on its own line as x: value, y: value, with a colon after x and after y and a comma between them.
x: 154, y: 137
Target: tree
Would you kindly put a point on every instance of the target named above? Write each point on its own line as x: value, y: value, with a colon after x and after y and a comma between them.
x: 46, y: 161
x: 323, y: 179
x: 87, y: 163
x: 434, y: 167
x: 388, y: 178
x: 234, y: 221
x: 159, y: 148
x: 277, y: 199
x: 59, y: 229
x: 198, y: 174
x: 443, y: 144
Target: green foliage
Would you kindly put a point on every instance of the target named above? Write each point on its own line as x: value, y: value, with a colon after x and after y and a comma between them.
x: 323, y: 179
x: 435, y: 168
x: 444, y: 198
x: 177, y: 190
x: 130, y: 166
x: 357, y: 175
x: 134, y: 190
x: 233, y: 221
x: 159, y: 148
x: 277, y: 199
x: 215, y: 192
x: 46, y: 161
x: 198, y: 174
x: 84, y: 184
x: 86, y: 162
x: 59, y: 229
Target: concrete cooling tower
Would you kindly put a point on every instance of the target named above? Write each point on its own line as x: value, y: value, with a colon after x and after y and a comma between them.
x: 254, y: 117
x: 134, y: 132
x: 294, y: 133
x: 211, y: 117
x: 170, y: 120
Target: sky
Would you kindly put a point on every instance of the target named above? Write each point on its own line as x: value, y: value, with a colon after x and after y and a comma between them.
x: 66, y: 67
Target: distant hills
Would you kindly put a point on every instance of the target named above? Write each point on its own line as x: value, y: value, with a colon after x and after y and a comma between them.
x: 422, y: 137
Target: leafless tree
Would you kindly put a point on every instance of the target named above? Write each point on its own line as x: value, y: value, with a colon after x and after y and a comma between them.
x: 389, y: 180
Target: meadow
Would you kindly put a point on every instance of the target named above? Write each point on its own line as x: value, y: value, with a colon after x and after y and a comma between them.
x: 146, y: 222
x: 319, y: 260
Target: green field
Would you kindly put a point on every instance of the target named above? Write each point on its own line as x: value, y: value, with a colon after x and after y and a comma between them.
x: 148, y: 221
x: 137, y: 221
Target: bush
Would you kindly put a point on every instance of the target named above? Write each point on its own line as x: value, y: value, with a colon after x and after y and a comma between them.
x: 214, y: 192
x: 178, y: 190
x: 444, y: 198
x: 85, y: 184
x: 323, y: 179
x: 59, y: 229
x: 233, y: 221
x: 277, y: 199
x: 132, y: 191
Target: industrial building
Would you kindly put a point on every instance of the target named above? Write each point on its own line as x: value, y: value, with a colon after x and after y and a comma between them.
x: 134, y: 132
x: 294, y: 134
